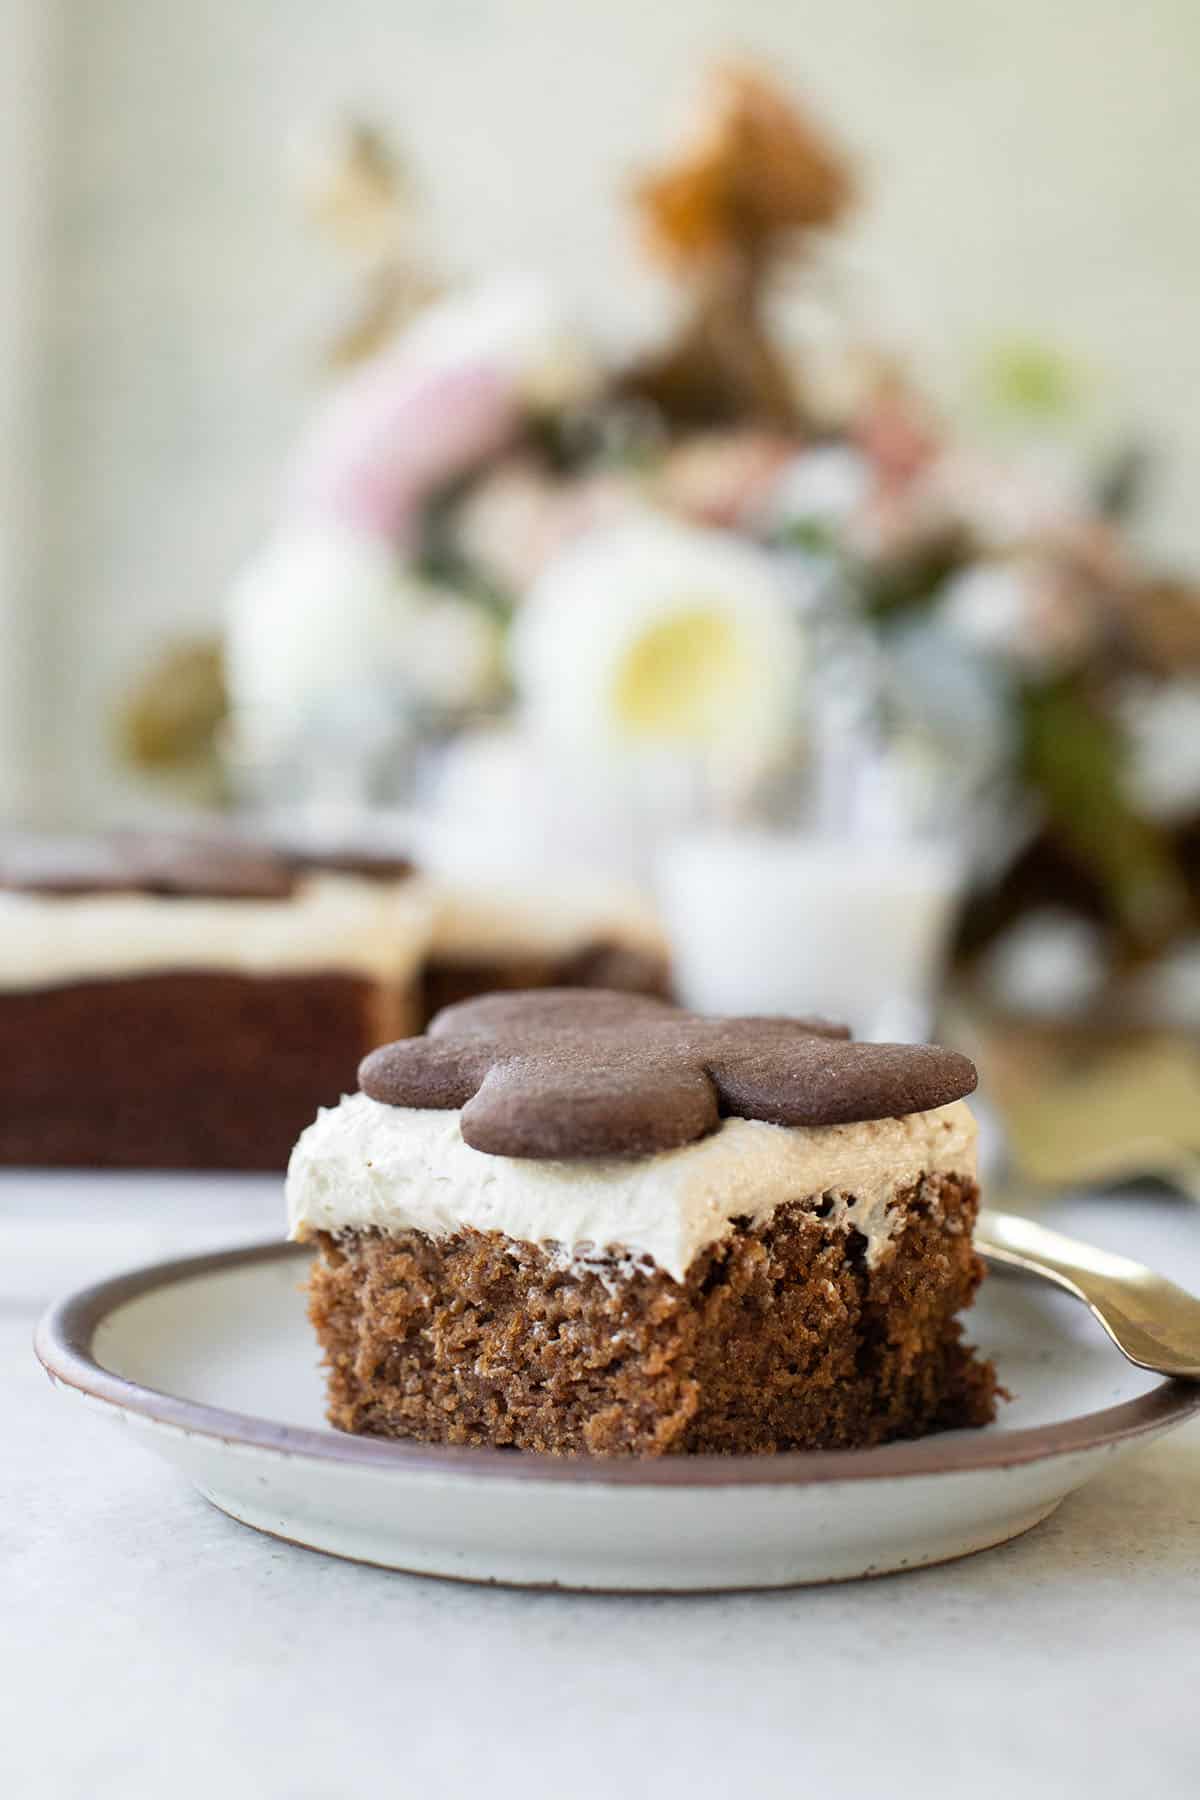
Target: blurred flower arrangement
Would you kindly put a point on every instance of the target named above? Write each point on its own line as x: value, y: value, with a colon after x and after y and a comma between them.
x: 708, y: 553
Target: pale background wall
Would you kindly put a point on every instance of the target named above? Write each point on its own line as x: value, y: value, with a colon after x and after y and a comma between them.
x: 29, y: 46
x: 1034, y: 166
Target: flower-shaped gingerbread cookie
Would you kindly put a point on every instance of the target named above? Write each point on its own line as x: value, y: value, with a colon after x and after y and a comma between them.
x: 568, y: 1073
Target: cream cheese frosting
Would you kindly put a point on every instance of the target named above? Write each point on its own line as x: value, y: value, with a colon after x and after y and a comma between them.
x: 478, y: 920
x: 352, y: 923
x: 364, y: 1165
x: 334, y: 924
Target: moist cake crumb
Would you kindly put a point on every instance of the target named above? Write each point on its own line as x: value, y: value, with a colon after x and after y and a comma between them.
x: 780, y: 1338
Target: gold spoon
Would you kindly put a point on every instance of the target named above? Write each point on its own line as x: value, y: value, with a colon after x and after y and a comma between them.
x: 1150, y: 1320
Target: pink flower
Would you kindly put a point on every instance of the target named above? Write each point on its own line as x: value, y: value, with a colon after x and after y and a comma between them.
x: 517, y: 517
x: 432, y: 407
x: 999, y: 505
x: 901, y: 522
x: 723, y: 477
x: 896, y: 434
x: 391, y: 434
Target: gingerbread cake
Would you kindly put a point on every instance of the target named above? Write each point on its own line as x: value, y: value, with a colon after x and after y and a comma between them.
x: 489, y: 934
x: 148, y: 983
x: 583, y: 1222
x: 147, y: 978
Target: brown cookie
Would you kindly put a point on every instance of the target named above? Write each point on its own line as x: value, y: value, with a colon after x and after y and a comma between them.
x: 369, y: 865
x: 38, y: 863
x: 168, y: 864
x: 567, y: 1073
x: 219, y: 867
x: 372, y: 857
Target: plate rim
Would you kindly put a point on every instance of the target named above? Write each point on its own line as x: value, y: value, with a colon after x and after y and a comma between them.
x: 66, y: 1332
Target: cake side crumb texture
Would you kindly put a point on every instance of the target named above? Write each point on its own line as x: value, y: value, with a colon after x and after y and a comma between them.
x: 166, y: 1070
x: 781, y: 1337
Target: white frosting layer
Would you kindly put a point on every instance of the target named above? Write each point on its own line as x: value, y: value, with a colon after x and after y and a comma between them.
x: 365, y: 1165
x: 333, y: 924
x: 371, y: 927
x: 477, y: 920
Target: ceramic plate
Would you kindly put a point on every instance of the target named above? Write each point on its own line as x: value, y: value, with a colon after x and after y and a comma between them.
x: 210, y: 1362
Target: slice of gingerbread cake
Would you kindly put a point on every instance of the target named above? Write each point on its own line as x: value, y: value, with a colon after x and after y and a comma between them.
x: 151, y: 983
x: 489, y: 933
x: 492, y: 936
x: 579, y: 1221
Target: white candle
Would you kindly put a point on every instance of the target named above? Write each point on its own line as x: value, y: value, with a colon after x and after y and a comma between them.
x: 763, y: 923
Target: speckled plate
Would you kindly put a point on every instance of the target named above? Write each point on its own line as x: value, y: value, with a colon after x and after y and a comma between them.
x: 210, y: 1362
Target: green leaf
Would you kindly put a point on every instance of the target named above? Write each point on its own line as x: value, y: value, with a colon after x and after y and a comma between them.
x: 1074, y: 759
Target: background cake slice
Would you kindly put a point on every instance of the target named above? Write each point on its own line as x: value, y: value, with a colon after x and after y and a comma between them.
x: 172, y: 1003
x: 588, y: 1223
x: 148, y: 979
x: 542, y: 932
x: 490, y: 933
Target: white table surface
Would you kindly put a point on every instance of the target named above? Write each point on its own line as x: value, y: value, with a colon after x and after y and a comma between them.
x: 151, y: 1647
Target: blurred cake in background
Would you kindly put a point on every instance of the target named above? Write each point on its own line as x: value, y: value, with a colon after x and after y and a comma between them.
x: 581, y: 935
x: 487, y: 930
x: 148, y: 985
x: 147, y: 979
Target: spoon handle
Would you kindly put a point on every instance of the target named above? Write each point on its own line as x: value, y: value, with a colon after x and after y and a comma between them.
x: 1150, y: 1320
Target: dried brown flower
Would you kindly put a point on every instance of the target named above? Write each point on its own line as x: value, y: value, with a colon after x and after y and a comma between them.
x: 172, y: 713
x: 755, y: 166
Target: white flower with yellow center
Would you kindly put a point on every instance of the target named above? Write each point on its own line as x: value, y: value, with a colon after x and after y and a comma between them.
x: 652, y: 634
